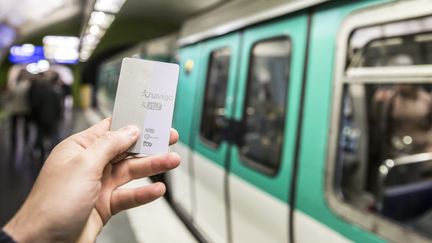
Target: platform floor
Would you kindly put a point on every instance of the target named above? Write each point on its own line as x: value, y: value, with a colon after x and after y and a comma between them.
x: 18, y: 172
x: 155, y: 222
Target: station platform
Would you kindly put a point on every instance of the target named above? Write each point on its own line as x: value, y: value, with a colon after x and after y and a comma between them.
x: 154, y: 222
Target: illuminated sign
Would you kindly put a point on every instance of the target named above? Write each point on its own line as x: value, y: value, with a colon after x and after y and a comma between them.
x: 26, y: 53
x: 7, y: 35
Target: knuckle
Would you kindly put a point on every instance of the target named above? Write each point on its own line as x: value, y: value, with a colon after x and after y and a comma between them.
x: 87, y: 138
x: 108, y: 137
x: 115, y: 142
x: 82, y: 158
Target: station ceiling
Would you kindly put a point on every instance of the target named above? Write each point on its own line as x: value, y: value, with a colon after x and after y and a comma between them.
x: 137, y: 20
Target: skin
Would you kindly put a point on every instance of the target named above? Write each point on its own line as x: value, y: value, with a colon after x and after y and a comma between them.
x: 77, y: 190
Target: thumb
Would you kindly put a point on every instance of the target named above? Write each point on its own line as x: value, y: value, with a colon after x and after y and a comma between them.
x: 109, y: 145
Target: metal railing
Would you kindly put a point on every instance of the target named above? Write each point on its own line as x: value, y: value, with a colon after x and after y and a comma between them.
x: 389, y: 164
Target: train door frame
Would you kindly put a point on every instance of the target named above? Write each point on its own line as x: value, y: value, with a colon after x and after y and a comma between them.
x: 259, y: 198
x: 181, y: 179
x: 385, y: 13
x: 210, y: 160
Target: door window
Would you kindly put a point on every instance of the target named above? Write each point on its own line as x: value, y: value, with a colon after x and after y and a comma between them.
x: 401, y: 43
x: 265, y: 104
x: 384, y: 156
x: 212, y: 120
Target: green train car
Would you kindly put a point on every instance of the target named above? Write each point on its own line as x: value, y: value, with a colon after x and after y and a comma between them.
x: 306, y: 121
x: 158, y: 49
x: 301, y: 121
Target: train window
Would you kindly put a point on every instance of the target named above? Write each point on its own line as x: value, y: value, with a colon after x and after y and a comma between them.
x: 384, y: 155
x: 402, y: 43
x: 212, y: 120
x: 265, y: 105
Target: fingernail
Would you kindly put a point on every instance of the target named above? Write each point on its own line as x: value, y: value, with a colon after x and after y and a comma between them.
x: 131, y: 131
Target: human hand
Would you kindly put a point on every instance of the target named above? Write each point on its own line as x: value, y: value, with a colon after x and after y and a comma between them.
x: 77, y: 190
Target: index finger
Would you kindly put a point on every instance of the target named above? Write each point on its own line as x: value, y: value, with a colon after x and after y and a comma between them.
x: 174, y: 136
x: 88, y: 137
x: 109, y: 146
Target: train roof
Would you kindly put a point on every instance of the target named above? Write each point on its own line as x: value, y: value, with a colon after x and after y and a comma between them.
x: 160, y: 46
x: 237, y: 14
x: 164, y: 45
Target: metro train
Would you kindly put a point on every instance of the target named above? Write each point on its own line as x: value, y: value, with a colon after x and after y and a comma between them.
x: 302, y: 121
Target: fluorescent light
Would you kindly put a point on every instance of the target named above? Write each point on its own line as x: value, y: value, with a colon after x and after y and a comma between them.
x: 88, y: 47
x: 86, y: 51
x: 65, y: 55
x: 99, y: 17
x: 103, y: 20
x: 24, y: 50
x: 94, y: 29
x: 38, y: 67
x: 110, y: 6
x: 61, y: 40
x: 61, y: 49
x: 99, y: 21
x: 43, y: 65
x: 84, y: 56
x: 32, y: 68
x: 90, y: 40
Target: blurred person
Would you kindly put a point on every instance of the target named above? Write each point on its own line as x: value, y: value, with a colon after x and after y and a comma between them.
x: 78, y: 191
x: 404, y: 110
x: 19, y: 109
x: 403, y: 126
x: 410, y: 125
x: 47, y: 111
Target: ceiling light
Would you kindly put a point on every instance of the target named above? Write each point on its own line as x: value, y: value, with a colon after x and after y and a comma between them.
x: 89, y: 40
x: 101, y: 19
x: 84, y: 56
x: 24, y: 50
x: 110, y: 6
x: 43, y: 65
x: 32, y: 68
x: 61, y: 49
x: 69, y: 41
x: 94, y: 30
x: 38, y: 67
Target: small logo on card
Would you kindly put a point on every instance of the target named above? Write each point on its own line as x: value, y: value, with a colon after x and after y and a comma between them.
x: 147, y: 144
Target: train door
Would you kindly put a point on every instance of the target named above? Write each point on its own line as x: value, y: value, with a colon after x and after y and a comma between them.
x: 219, y: 59
x: 180, y: 180
x: 267, y: 106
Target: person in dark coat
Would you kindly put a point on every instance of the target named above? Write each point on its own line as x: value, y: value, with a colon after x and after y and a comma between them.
x: 46, y: 111
x: 19, y: 110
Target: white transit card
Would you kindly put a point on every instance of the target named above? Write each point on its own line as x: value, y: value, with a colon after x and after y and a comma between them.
x: 145, y: 97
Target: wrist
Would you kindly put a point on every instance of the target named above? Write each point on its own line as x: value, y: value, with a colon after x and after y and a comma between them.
x: 26, y: 226
x: 92, y: 228
x: 17, y: 231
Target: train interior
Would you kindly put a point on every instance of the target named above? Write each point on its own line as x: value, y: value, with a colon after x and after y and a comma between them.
x: 384, y: 158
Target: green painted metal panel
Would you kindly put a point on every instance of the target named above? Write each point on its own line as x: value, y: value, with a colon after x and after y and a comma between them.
x: 231, y: 41
x: 295, y: 27
x: 186, y: 93
x: 310, y: 198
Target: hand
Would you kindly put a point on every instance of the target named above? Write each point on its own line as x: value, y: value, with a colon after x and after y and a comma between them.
x: 77, y: 190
